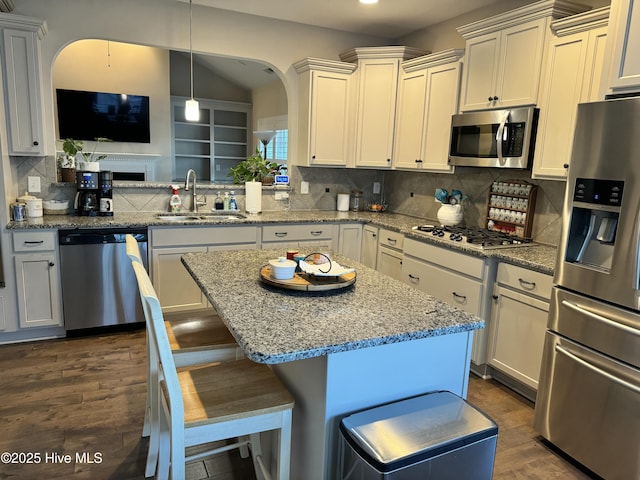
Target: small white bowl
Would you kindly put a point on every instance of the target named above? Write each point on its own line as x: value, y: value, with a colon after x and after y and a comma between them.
x: 282, y: 269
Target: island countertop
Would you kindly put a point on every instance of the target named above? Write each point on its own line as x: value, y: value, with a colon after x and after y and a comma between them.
x: 274, y: 325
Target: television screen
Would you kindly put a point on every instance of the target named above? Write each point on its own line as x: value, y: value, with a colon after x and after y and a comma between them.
x: 88, y: 115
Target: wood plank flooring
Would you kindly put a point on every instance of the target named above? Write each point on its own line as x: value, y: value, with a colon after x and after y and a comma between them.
x: 84, y: 397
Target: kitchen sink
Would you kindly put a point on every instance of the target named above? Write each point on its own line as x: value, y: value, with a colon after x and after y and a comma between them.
x: 198, y: 217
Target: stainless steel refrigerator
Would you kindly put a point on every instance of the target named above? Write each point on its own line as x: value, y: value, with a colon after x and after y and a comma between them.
x: 588, y: 402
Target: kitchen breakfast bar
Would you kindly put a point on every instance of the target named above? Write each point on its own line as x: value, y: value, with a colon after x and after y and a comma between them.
x: 338, y: 351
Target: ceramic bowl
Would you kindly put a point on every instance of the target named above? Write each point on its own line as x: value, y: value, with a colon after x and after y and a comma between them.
x: 282, y: 269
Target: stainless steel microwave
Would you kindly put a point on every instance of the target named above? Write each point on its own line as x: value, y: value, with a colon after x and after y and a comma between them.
x: 493, y: 138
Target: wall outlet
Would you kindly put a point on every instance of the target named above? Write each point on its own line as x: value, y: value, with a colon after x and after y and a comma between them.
x: 376, y: 187
x: 33, y: 184
x: 304, y: 188
x: 282, y: 195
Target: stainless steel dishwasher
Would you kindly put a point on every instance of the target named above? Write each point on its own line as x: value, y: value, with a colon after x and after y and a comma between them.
x: 98, y: 283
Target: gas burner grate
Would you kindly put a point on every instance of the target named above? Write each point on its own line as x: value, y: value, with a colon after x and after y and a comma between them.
x: 475, y: 237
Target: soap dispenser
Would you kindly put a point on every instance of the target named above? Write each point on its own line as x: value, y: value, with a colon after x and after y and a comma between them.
x: 226, y: 200
x: 233, y: 205
x: 218, y: 203
x: 175, y: 203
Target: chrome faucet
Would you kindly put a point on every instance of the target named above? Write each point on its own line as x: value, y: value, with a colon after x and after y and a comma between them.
x: 194, y: 197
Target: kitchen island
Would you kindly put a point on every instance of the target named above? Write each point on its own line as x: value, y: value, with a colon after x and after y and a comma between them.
x: 337, y: 352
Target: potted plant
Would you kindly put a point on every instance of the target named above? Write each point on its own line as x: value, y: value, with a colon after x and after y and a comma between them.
x: 90, y: 161
x: 67, y: 160
x: 251, y: 172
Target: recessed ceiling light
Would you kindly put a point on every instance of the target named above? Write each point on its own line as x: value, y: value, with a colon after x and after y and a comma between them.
x: 368, y: 1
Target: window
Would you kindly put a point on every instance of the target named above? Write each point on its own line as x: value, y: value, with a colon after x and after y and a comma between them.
x: 278, y: 148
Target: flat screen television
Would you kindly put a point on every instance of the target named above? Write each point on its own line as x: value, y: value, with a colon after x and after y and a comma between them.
x: 88, y: 115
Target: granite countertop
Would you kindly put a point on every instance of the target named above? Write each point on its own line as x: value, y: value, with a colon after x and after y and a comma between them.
x: 538, y: 257
x: 274, y: 325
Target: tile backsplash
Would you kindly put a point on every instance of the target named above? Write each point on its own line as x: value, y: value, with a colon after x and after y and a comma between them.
x: 410, y: 193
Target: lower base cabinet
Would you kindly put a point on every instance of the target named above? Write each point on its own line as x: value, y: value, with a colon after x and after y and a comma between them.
x: 389, y: 258
x: 518, y: 323
x: 369, y: 251
x: 455, y: 278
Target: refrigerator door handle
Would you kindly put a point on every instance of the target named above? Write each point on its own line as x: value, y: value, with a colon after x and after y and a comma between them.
x: 597, y: 370
x: 600, y: 318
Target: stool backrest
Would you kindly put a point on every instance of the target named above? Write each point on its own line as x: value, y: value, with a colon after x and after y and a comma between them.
x: 133, y: 250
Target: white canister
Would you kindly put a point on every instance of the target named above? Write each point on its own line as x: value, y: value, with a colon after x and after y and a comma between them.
x: 34, y: 208
x: 343, y: 202
x: 253, y: 201
x: 450, y: 214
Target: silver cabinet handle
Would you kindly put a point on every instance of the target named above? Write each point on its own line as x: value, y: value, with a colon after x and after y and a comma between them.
x: 600, y: 318
x: 281, y: 234
x: 597, y: 370
x: 459, y: 297
x: 316, y: 232
x: 527, y: 284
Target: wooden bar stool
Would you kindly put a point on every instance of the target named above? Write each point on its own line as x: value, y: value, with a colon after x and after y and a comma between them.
x: 208, y: 403
x: 195, y: 338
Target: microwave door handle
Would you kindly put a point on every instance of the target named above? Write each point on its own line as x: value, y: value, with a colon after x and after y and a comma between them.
x: 499, y: 135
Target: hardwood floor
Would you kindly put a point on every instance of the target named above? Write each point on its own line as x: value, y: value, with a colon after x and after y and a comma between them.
x: 84, y: 398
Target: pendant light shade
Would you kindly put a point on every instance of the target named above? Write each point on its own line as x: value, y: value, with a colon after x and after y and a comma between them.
x: 191, y: 106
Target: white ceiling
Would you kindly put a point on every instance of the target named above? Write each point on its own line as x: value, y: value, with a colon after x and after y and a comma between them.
x: 388, y: 18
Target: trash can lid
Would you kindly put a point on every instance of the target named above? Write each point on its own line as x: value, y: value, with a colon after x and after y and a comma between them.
x: 408, y: 431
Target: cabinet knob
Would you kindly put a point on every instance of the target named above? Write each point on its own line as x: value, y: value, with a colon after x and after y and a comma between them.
x: 495, y: 297
x: 313, y: 157
x: 35, y: 143
x: 495, y: 98
x: 51, y: 264
x: 490, y: 98
x: 418, y: 160
x: 388, y: 160
x: 566, y: 165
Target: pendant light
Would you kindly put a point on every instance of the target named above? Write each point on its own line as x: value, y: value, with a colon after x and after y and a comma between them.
x: 191, y: 106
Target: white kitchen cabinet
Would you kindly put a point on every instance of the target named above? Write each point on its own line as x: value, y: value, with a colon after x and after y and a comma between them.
x: 369, y: 254
x: 307, y: 237
x: 324, y: 120
x: 504, y: 54
x: 377, y: 77
x: 427, y: 98
x: 176, y: 288
x: 22, y: 83
x: 518, y: 323
x: 456, y: 278
x: 389, y: 259
x: 624, y: 48
x: 350, y: 240
x: 574, y: 66
x: 37, y: 279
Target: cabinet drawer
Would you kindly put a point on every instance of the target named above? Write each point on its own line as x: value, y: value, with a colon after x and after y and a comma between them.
x: 447, y: 286
x: 445, y: 257
x: 533, y: 283
x: 287, y: 233
x: 34, y: 241
x: 182, y: 236
x: 391, y: 239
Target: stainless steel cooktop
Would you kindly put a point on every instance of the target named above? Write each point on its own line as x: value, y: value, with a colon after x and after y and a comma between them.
x: 474, y: 237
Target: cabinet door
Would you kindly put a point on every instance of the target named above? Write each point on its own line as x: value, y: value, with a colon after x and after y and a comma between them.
x: 412, y: 104
x: 389, y: 262
x: 377, y: 88
x: 480, y: 72
x: 574, y: 64
x: 369, y: 246
x: 175, y: 287
x: 38, y: 289
x: 350, y: 241
x: 520, y: 63
x: 518, y: 324
x: 442, y: 102
x: 329, y: 118
x: 23, y: 92
x: 625, y: 48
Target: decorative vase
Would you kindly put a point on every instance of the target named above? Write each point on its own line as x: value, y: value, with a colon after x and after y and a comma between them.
x: 450, y: 214
x: 89, y: 166
x: 253, y: 202
x: 68, y: 175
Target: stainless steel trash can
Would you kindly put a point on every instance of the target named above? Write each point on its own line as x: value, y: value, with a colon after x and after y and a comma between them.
x: 434, y: 436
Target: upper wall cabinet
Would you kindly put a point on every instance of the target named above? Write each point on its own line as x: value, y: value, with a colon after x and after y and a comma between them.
x: 504, y: 55
x: 572, y: 75
x: 324, y: 121
x: 427, y: 97
x: 377, y: 85
x: 624, y: 48
x: 22, y: 84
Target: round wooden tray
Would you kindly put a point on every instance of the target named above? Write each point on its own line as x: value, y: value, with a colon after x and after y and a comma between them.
x: 306, y: 282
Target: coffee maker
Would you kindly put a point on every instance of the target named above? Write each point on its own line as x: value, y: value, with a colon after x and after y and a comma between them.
x: 87, y: 196
x: 106, y: 193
